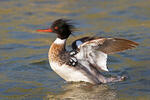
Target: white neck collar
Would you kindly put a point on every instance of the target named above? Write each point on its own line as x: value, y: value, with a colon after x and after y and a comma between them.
x: 59, y: 41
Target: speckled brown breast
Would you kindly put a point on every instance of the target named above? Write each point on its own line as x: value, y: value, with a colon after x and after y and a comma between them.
x: 56, y: 52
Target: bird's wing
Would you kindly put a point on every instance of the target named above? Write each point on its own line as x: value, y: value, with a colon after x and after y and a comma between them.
x: 95, y: 50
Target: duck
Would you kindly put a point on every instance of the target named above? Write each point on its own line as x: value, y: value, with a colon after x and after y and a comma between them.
x: 88, y: 57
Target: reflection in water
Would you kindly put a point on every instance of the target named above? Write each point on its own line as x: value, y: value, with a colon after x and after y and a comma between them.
x: 85, y: 91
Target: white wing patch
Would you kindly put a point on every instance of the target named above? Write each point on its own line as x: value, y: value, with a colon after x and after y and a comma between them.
x: 93, y: 43
x: 94, y: 57
x: 101, y: 60
x: 78, y: 43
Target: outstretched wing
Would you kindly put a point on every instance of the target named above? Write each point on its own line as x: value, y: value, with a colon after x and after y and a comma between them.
x: 110, y: 45
x: 95, y: 50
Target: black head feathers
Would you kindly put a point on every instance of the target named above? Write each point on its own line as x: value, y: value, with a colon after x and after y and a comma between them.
x: 62, y: 27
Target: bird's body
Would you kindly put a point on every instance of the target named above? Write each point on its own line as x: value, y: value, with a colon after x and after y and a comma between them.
x: 57, y: 59
x: 91, y: 56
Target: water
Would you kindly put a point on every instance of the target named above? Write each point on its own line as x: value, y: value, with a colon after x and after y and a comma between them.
x: 24, y: 70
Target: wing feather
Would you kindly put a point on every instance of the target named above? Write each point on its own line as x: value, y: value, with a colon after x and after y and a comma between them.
x: 108, y: 45
x: 113, y: 45
x: 95, y: 50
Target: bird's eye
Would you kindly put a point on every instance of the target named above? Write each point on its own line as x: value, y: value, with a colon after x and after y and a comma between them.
x: 55, y: 27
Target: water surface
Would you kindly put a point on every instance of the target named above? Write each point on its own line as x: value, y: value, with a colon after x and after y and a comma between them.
x: 24, y: 70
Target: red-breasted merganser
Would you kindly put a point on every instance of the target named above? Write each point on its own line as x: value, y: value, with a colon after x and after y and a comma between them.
x: 89, y: 55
